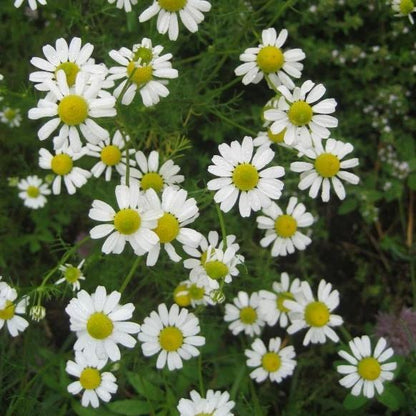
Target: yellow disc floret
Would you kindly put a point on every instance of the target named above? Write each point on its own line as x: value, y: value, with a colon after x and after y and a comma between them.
x: 127, y: 221
x: 285, y: 226
x: 61, y: 164
x: 73, y: 110
x: 10, y: 114
x: 406, y: 7
x: 276, y: 138
x: 369, y: 368
x: 139, y: 74
x: 71, y: 71
x: 32, y: 191
x: 300, y: 113
x: 196, y: 293
x: 316, y: 314
x: 152, y: 180
x: 110, y: 155
x: 90, y: 378
x: 171, y: 338
x: 216, y: 269
x: 8, y: 311
x: 281, y: 297
x: 270, y: 59
x: 172, y: 5
x: 167, y: 228
x: 72, y: 274
x: 181, y: 295
x: 248, y: 315
x: 245, y: 177
x: 99, y: 325
x: 327, y: 165
x: 143, y: 55
x: 271, y: 362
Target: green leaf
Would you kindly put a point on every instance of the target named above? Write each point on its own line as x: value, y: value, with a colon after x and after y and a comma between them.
x: 392, y: 397
x: 347, y: 206
x: 144, y: 387
x: 354, y: 402
x: 130, y: 407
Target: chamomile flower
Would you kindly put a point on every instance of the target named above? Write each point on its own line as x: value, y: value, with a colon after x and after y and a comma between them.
x: 302, y: 115
x: 74, y: 108
x: 132, y: 223
x: 216, y: 403
x: 268, y: 59
x: 244, y: 314
x: 37, y: 313
x: 178, y: 212
x: 241, y: 176
x: 124, y: 3
x: 62, y: 165
x: 190, y: 12
x: 97, y: 385
x: 272, y: 309
x: 151, y: 175
x: 72, y: 58
x: 306, y: 312
x: 282, y: 228
x: 11, y: 117
x: 145, y: 69
x: 100, y: 323
x: 33, y: 191
x: 195, y: 291
x: 275, y: 362
x: 367, y: 369
x: 404, y: 8
x: 33, y: 4
x: 268, y: 138
x: 328, y: 168
x: 111, y: 155
x: 10, y: 310
x: 72, y: 275
x: 172, y: 334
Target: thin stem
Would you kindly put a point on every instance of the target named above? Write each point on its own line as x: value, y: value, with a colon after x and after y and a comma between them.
x: 222, y: 225
x: 130, y: 274
x: 345, y: 333
x: 201, y: 380
x: 233, y: 123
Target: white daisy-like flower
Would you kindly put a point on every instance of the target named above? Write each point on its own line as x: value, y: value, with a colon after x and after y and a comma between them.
x: 72, y: 58
x: 74, y: 108
x: 33, y: 4
x: 10, y: 310
x: 268, y: 138
x: 172, y: 334
x: 214, y: 259
x: 268, y: 59
x: 132, y: 223
x: 282, y: 228
x: 302, y: 115
x: 110, y: 152
x: 367, y: 369
x: 11, y: 117
x: 306, y: 312
x: 190, y: 12
x: 275, y: 362
x: 97, y: 385
x: 178, y: 212
x: 195, y: 291
x: 241, y: 176
x: 328, y: 168
x: 100, y: 323
x: 72, y: 275
x: 145, y: 69
x: 33, y: 191
x: 62, y: 165
x: 216, y: 403
x: 272, y: 309
x: 153, y: 176
x: 244, y: 314
x: 124, y: 3
x: 37, y: 313
x: 404, y: 8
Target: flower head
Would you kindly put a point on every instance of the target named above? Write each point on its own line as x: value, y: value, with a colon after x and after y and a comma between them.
x: 71, y: 274
x: 215, y: 403
x: 33, y: 191
x: 404, y: 8
x: 11, y: 116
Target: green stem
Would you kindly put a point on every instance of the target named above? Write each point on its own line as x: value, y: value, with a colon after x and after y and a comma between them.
x: 345, y: 333
x: 285, y: 6
x: 257, y: 407
x: 222, y: 225
x: 130, y: 274
x: 233, y: 123
x: 237, y: 381
x: 201, y: 379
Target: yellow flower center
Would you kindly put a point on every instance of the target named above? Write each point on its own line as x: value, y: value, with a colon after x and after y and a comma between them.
x: 90, y: 378
x: 8, y: 311
x: 32, y: 191
x: 245, y: 177
x: 143, y: 55
x: 369, y: 368
x: 285, y: 226
x: 152, y: 180
x: 73, y: 110
x: 72, y: 274
x: 10, y: 114
x: 62, y: 164
x: 139, y: 74
x: 171, y: 338
x: 99, y: 325
x: 276, y: 138
x: 300, y: 113
x: 316, y: 314
x: 270, y: 59
x: 216, y: 269
x: 204, y: 256
x: 172, y: 5
x: 406, y: 7
x: 248, y: 315
x: 71, y: 70
x: 196, y: 293
x: 110, y: 155
x: 127, y: 221
x: 327, y: 165
x: 281, y: 297
x: 271, y: 362
x: 167, y: 228
x: 182, y: 296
